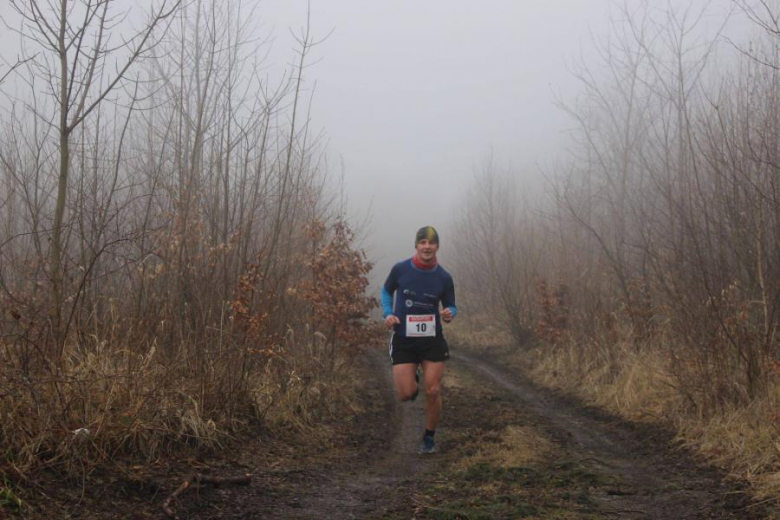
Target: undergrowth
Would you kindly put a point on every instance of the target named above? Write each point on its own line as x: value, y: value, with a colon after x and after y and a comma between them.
x: 109, y: 404
x: 129, y: 389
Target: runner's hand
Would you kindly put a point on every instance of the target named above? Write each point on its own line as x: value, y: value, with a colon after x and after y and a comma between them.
x: 446, y: 315
x: 391, y: 320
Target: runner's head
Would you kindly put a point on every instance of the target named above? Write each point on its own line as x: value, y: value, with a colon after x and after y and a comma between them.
x: 426, y: 243
x: 426, y: 233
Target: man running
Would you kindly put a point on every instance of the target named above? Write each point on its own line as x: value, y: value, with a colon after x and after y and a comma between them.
x: 420, y: 285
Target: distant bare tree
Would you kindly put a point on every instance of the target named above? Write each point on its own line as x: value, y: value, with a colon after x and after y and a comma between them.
x: 499, y: 249
x: 665, y: 219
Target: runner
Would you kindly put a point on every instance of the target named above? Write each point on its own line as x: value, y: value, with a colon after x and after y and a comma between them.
x: 420, y: 286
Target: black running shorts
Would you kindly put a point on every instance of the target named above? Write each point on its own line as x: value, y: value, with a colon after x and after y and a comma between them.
x: 415, y: 350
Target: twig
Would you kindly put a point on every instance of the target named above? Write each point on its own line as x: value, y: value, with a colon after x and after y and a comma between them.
x: 166, y: 507
x: 197, y: 478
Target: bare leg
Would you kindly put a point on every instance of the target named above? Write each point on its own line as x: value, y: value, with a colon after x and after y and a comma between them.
x: 403, y: 377
x: 434, y: 370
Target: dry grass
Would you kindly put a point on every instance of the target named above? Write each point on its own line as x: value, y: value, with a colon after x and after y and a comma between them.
x: 492, y: 336
x: 453, y: 379
x: 519, y: 446
x: 744, y: 439
x: 308, y: 384
x: 635, y: 384
x: 110, y: 406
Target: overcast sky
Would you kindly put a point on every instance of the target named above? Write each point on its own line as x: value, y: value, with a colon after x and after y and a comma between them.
x: 413, y: 95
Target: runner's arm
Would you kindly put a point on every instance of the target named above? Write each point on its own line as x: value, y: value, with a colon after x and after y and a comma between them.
x: 448, y: 301
x: 387, y: 303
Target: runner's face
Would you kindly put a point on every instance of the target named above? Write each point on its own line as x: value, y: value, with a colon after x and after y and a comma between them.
x: 426, y: 250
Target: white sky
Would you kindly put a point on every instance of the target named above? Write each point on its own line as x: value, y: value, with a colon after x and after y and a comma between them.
x: 413, y: 95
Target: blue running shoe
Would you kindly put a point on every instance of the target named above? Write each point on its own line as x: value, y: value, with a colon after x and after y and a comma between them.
x: 428, y: 446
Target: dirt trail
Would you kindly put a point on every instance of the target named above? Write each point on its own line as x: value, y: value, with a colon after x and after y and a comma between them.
x: 594, y: 466
x: 379, y: 485
x: 655, y: 480
x: 602, y: 468
x: 628, y: 472
x: 371, y: 477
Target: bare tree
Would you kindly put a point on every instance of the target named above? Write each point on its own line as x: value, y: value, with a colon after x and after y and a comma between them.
x: 196, y: 202
x: 72, y: 60
x: 13, y: 67
x: 499, y: 249
x: 665, y: 217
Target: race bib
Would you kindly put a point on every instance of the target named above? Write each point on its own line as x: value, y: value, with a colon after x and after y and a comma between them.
x: 420, y: 325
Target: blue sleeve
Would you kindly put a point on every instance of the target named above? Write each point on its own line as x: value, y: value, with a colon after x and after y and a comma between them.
x: 391, y: 284
x: 387, y: 303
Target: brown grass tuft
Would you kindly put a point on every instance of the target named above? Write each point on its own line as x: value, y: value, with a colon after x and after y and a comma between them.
x: 519, y: 446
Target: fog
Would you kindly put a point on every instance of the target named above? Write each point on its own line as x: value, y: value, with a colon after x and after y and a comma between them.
x: 176, y: 275
x: 413, y: 96
x: 410, y: 98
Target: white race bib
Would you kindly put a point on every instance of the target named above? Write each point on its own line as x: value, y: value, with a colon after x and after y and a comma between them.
x: 420, y: 325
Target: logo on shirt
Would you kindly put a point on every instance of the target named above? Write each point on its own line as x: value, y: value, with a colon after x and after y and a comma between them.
x: 424, y: 305
x: 410, y: 293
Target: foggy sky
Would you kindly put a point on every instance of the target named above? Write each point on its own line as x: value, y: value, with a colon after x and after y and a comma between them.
x: 413, y: 95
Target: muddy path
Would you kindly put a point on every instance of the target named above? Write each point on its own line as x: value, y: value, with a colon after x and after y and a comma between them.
x: 507, y: 450
x: 371, y: 472
x: 380, y: 483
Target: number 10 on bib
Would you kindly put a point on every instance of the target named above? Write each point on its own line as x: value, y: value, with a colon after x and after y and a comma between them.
x: 420, y: 325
